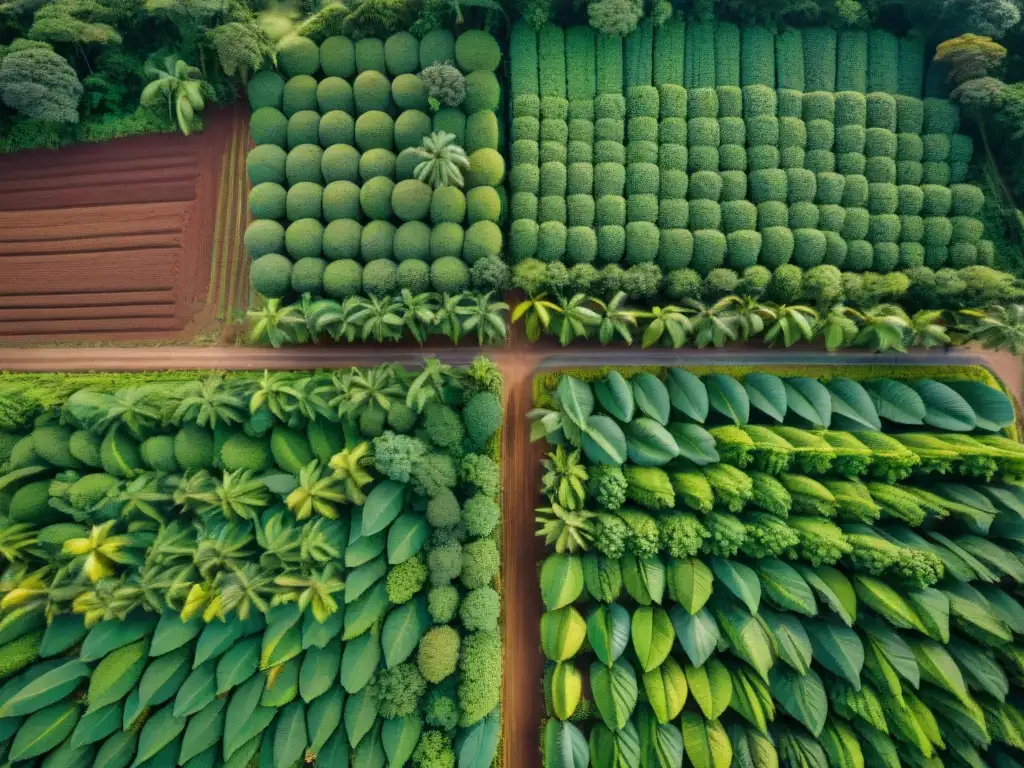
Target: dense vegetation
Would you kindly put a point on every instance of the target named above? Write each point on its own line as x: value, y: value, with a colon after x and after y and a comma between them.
x: 757, y: 570
x: 377, y: 184
x: 686, y: 163
x: 293, y: 569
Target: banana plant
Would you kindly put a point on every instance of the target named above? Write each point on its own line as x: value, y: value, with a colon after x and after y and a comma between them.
x: 927, y: 331
x: 379, y: 318
x: 538, y: 312
x: 839, y: 327
x: 487, y: 318
x: 177, y: 83
x: 669, y: 323
x: 615, y: 319
x: 277, y: 324
x: 417, y: 313
x: 574, y: 319
x: 793, y: 323
x: 1000, y: 327
x: 716, y: 324
x: 885, y: 327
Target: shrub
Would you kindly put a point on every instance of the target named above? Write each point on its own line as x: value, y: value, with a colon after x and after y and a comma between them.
x: 880, y: 170
x: 371, y: 91
x: 820, y: 134
x: 856, y: 191
x: 370, y: 54
x: 911, y: 200
x: 909, y: 172
x: 338, y: 57
x: 336, y: 127
x: 268, y: 125
x: 966, y: 229
x: 263, y: 237
x: 375, y: 198
x: 373, y: 130
x: 308, y: 275
x: 882, y: 198
x: 401, y: 53
x: 851, y: 108
x: 477, y: 50
x: 880, y: 142
x: 266, y: 163
x: 823, y: 284
x: 705, y: 214
x: 831, y: 218
x: 411, y: 127
x: 886, y: 257
x: 835, y: 249
x: 642, y: 208
x: 675, y: 249
x: 270, y: 275
x: 643, y: 129
x: 829, y: 188
x: 523, y: 234
x: 820, y: 161
x: 553, y: 152
x: 408, y: 92
x: 808, y: 247
x: 446, y: 240
x: 709, y: 248
x: 608, y: 152
x: 738, y: 215
x: 732, y: 157
x: 304, y: 201
x: 673, y: 157
x: 438, y: 652
x: 303, y: 128
x: 851, y: 138
x: 343, y: 278
x: 911, y: 255
x: 580, y: 179
x: 340, y: 200
x: 851, y: 164
x: 412, y: 242
x: 966, y: 200
x: 304, y: 238
x: 644, y: 101
x: 580, y: 245
x: 642, y: 179
x: 792, y: 132
x: 769, y: 184
x: 936, y: 256
x: 703, y: 158
x: 773, y: 213
x: 486, y: 168
x: 410, y: 200
x: 856, y: 224
x: 611, y: 243
x: 791, y: 103
x: 480, y: 514
x: 786, y: 285
x: 480, y: 610
x: 551, y: 208
x: 299, y: 94
x: 909, y: 114
x: 941, y: 116
x: 819, y: 105
x: 611, y: 209
x: 859, y: 255
x: 734, y: 185
x: 340, y: 163
x: 705, y: 185
x: 268, y: 201
x: 803, y: 216
x: 911, y: 229
x: 762, y: 158
x: 758, y: 100
x: 642, y: 242
x: 777, y: 244
x: 938, y: 230
x: 881, y: 111
x: 304, y: 163
x: 447, y: 204
x: 743, y: 247
x: 935, y: 173
x: 801, y: 185
x: 482, y: 239
x: 377, y: 241
x: 718, y: 283
x: 703, y: 132
x: 265, y: 89
x: 377, y: 162
x: 937, y: 200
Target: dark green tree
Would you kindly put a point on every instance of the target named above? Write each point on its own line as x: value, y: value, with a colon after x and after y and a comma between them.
x: 39, y: 83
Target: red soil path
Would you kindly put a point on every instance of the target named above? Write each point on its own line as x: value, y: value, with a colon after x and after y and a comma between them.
x: 115, y: 241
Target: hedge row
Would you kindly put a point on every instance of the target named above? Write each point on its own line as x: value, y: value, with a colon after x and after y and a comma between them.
x: 336, y: 206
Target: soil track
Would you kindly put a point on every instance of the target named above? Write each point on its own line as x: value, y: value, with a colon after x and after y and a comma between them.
x: 523, y: 704
x: 116, y: 241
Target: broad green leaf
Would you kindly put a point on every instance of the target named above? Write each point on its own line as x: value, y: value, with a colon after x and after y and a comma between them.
x: 171, y: 633
x: 615, y: 692
x: 562, y: 633
x: 95, y: 726
x: 164, y: 676
x: 360, y: 579
x: 603, y: 441
x: 710, y: 686
x: 695, y: 443
x: 116, y: 675
x: 323, y: 716
x: 216, y: 638
x: 980, y: 669
x: 616, y: 396
x: 255, y: 725
x: 204, y: 730
x: 896, y: 402
x: 318, y: 672
x: 697, y: 633
x: 561, y: 580
x: 475, y: 746
x: 785, y: 587
x: 290, y: 738
x: 789, y: 639
x: 360, y: 715
x: 198, y: 690
x: 108, y: 636
x: 238, y: 664
x: 851, y: 401
x: 382, y: 506
x: 767, y: 393
x: 366, y: 611
x: 359, y: 660
x: 932, y: 607
x: 160, y: 729
x: 944, y: 408
x: 809, y: 399
x: 692, y: 581
x: 244, y: 702
x: 576, y: 399
x: 802, y: 696
x: 564, y: 746
x: 834, y: 589
x: 403, y: 629
x: 938, y: 668
x: 666, y: 690
x: 661, y: 744
x: 993, y: 410
x: 688, y: 394
x: 739, y: 579
x: 563, y: 686
x: 887, y: 602
x: 746, y: 635
x: 894, y: 649
x: 728, y: 397
x: 648, y: 443
x: 64, y: 632
x: 117, y: 751
x: 316, y: 634
x: 406, y: 537
x: 837, y: 648
x: 244, y: 755
x: 652, y: 635
x: 46, y: 689
x: 608, y: 630
x: 44, y: 730
x: 651, y: 397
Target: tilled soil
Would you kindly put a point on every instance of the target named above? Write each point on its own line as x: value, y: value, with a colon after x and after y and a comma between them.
x: 523, y: 704
x: 114, y: 241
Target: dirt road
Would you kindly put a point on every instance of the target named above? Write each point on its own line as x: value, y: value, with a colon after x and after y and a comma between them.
x: 523, y: 702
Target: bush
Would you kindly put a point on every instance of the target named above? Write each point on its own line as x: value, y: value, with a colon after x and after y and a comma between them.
x: 835, y: 249
x: 304, y: 201
x: 820, y: 161
x: 856, y: 191
x: 340, y: 200
x: 962, y: 255
x: 743, y: 247
x: 672, y: 130
x: 911, y: 229
x: 882, y: 198
x: 303, y: 164
x: 299, y: 94
x: 769, y: 184
x: 523, y: 234
x: 340, y: 163
x: 851, y: 138
x: 268, y: 125
x: 911, y: 200
x: 370, y: 55
x: 579, y: 210
x: 738, y: 215
x: 336, y: 127
x: 762, y: 158
x: 266, y: 163
x: 673, y: 157
x: 705, y: 214
x: 308, y: 275
x: 909, y: 114
x: 410, y: 200
x: 480, y: 610
x: 304, y: 238
x: 270, y: 275
x: 734, y: 185
x: 792, y: 132
x: 859, y: 255
x: 719, y: 282
x: 412, y: 242
x: 551, y: 208
x: 803, y: 216
x: 935, y: 173
x: 378, y: 241
x: 820, y: 134
x: 303, y: 128
x: 851, y: 108
x: 759, y: 100
x: 763, y: 130
x: 482, y: 131
x: 438, y: 652
x: 801, y: 185
x: 477, y: 50
x: 482, y: 239
x: 606, y: 129
x: 298, y: 56
x: 642, y: 179
x: 375, y: 198
x: 786, y: 285
x: 908, y: 172
x: 829, y: 188
x: 703, y: 132
x: 966, y: 200
x: 675, y: 184
x: 675, y: 249
x: 642, y: 208
x: 486, y: 168
x: 911, y: 255
x: 268, y: 201
x: 880, y: 142
x: 886, y: 257
x: 881, y: 111
x: 709, y: 248
x: 643, y: 101
x: 772, y: 213
x: 373, y: 130
x: 823, y: 284
x: 851, y: 164
x: 808, y: 247
x: 480, y: 514
x: 937, y: 200
x: 611, y: 243
x: 791, y: 103
x: 819, y: 105
x: 343, y: 278
x: 966, y: 229
x: 831, y: 218
x: 732, y: 157
x: 683, y: 284
x: 609, y: 152
x: 263, y: 237
x: 940, y: 116
x: 880, y: 170
x: 642, y: 242
x: 411, y: 127
x: 265, y: 89
x: 777, y: 244
x: 408, y: 92
x: 856, y: 224
x: 449, y: 275
x: 644, y: 129
x: 376, y: 162
x: 447, y: 204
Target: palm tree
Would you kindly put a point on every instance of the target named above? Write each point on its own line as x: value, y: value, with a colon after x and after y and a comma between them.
x: 210, y: 401
x: 615, y: 321
x: 318, y: 492
x: 315, y: 591
x: 179, y: 84
x: 487, y: 318
x: 277, y: 324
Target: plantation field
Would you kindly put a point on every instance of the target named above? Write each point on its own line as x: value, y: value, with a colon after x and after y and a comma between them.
x: 135, y: 240
x: 286, y: 568
x: 779, y: 593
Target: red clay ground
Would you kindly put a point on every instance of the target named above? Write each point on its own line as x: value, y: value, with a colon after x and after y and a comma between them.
x: 117, y: 241
x: 524, y: 665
